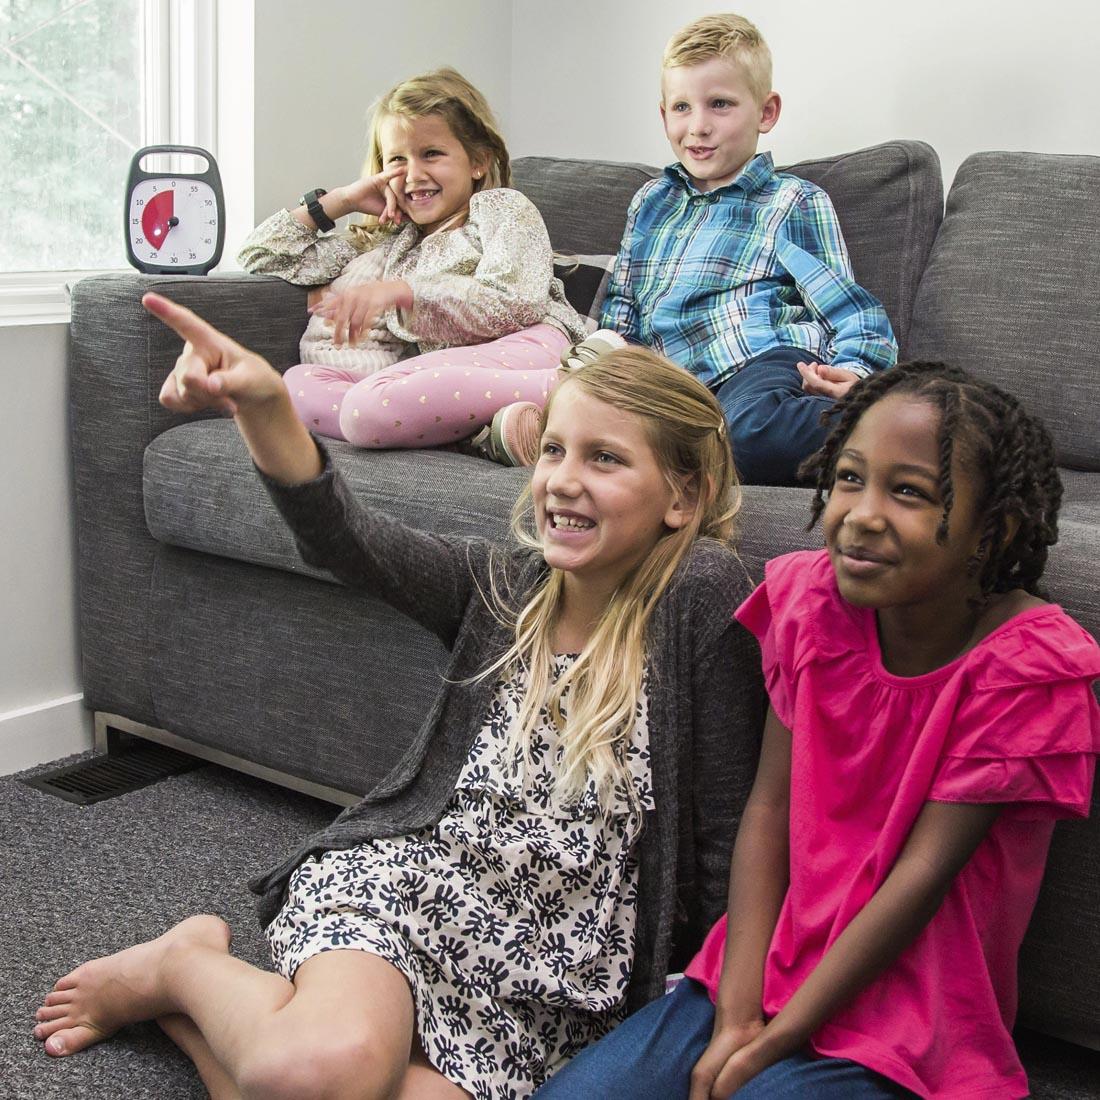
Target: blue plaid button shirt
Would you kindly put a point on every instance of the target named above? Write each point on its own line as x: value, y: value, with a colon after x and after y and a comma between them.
x: 712, y: 279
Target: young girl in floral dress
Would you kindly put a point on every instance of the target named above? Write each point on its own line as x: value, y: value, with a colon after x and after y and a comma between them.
x: 558, y: 834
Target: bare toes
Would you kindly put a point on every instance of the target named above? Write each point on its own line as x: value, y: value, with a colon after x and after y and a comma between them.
x: 53, y: 1012
x: 47, y: 1028
x: 71, y: 1040
x: 61, y: 998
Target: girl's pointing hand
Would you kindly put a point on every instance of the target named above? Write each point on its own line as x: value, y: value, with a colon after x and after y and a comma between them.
x: 212, y: 371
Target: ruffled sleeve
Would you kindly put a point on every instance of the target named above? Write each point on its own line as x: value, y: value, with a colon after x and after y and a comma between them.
x: 1028, y: 731
x: 282, y: 246
x: 797, y: 616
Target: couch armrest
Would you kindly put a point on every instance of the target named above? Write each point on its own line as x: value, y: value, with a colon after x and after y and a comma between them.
x: 118, y: 358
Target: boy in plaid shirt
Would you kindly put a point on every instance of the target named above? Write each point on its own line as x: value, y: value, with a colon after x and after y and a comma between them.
x: 737, y: 272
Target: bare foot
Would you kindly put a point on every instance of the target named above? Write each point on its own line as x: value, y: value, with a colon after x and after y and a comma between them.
x: 92, y: 1002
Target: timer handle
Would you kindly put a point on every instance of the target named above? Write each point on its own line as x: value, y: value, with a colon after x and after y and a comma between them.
x: 193, y: 149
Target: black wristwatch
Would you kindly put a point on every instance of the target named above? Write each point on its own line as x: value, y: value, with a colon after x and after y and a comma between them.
x: 311, y: 201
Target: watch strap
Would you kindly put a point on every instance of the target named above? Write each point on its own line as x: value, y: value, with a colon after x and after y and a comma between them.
x: 311, y: 201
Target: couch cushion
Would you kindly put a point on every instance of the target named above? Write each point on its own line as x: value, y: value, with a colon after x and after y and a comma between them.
x: 1009, y: 289
x: 889, y: 199
x: 202, y: 493
x: 1081, y: 496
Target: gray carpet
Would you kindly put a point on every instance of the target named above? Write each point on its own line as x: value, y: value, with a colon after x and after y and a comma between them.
x: 79, y: 882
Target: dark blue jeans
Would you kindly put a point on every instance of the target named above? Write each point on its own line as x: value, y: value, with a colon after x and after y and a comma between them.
x: 773, y: 423
x: 650, y: 1055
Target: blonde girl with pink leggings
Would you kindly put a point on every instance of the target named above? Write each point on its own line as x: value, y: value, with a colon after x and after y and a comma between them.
x: 442, y: 308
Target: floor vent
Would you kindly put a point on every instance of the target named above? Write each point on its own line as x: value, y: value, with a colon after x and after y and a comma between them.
x: 109, y: 776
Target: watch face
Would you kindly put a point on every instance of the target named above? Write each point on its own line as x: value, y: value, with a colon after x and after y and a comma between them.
x: 173, y: 221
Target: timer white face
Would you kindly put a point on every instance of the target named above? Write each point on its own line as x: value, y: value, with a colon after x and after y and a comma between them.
x: 173, y: 222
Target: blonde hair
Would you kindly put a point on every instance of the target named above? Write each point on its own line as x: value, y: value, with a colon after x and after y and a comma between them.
x: 447, y: 93
x: 728, y: 36
x: 686, y: 430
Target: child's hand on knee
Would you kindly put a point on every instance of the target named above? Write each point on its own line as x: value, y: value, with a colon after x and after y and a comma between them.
x: 825, y: 380
x: 212, y: 371
x: 711, y: 1069
x: 354, y: 312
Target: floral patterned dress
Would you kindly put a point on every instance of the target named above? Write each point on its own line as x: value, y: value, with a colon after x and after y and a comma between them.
x: 512, y: 918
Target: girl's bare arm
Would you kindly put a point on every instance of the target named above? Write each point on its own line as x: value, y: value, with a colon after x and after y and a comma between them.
x: 759, y: 875
x: 943, y: 839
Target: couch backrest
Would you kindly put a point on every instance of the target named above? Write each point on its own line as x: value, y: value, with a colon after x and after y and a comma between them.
x: 889, y: 199
x: 1010, y: 292
x: 583, y: 202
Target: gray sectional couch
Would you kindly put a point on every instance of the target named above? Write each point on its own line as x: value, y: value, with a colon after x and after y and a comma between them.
x: 187, y: 575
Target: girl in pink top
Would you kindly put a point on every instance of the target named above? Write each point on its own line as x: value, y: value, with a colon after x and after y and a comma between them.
x: 931, y: 716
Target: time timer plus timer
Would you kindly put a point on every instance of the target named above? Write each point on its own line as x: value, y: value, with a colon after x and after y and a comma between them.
x: 175, y: 221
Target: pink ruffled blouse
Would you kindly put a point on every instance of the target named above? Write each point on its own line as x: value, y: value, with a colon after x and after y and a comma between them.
x: 1011, y: 721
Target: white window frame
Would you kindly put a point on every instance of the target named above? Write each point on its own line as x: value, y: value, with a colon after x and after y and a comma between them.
x: 180, y: 91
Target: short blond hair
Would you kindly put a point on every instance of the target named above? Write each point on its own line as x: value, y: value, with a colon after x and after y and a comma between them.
x: 728, y: 36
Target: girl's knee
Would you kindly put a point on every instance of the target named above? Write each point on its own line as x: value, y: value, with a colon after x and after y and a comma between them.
x: 296, y: 376
x: 365, y: 423
x: 320, y: 1066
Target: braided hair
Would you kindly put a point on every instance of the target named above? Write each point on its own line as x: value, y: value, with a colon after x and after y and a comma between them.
x: 1010, y: 451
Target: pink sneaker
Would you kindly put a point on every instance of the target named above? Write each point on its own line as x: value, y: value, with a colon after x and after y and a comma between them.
x: 512, y: 439
x: 514, y: 435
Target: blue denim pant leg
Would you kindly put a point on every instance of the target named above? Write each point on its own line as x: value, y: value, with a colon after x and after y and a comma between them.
x: 649, y: 1056
x: 773, y: 423
x: 802, y: 1076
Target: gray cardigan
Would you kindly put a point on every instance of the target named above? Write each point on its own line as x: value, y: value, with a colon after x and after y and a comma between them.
x: 705, y: 705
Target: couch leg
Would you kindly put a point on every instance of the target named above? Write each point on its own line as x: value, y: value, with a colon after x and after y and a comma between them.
x: 109, y: 740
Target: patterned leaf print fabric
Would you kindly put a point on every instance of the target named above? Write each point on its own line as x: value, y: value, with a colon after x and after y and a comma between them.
x: 512, y: 918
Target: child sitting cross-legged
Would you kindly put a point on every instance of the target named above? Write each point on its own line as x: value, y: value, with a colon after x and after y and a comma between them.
x: 931, y: 716
x: 442, y: 308
x: 562, y: 823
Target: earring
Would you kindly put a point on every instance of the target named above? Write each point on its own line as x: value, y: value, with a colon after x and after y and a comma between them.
x: 477, y: 175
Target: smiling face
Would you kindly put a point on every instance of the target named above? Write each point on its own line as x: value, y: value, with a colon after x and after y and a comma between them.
x: 885, y: 508
x: 713, y: 121
x: 601, y: 500
x: 439, y: 175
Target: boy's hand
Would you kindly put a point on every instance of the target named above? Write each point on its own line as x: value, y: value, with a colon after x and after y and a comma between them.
x: 719, y: 1064
x: 824, y: 380
x: 353, y: 312
x: 212, y: 371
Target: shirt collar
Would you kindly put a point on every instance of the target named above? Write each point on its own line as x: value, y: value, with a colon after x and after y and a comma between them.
x: 751, y: 178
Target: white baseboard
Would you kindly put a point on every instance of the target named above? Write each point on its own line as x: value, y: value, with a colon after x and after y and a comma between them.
x: 44, y: 732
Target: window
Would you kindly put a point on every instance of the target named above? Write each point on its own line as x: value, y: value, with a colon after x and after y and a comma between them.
x: 83, y: 85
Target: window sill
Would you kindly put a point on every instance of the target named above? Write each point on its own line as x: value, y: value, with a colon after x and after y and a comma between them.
x: 38, y: 298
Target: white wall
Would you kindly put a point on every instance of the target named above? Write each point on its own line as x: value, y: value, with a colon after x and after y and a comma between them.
x: 40, y: 713
x: 315, y: 83
x: 963, y: 75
